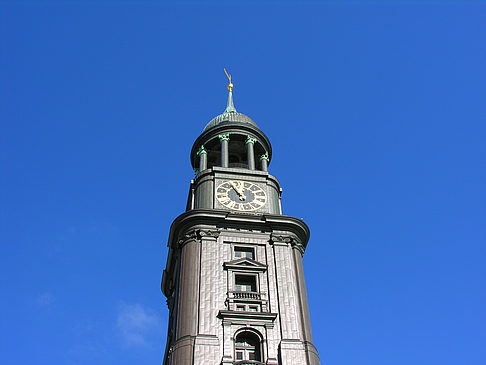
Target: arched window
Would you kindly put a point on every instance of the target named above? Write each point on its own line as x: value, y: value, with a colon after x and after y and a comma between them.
x: 247, y: 347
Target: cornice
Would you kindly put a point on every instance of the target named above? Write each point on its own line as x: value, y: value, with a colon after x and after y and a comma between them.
x: 205, y: 219
x: 239, y: 316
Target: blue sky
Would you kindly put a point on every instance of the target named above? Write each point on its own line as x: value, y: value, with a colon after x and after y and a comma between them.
x: 376, y: 113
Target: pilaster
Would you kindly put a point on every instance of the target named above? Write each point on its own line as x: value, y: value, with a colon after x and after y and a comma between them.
x: 287, y: 294
x: 187, y: 299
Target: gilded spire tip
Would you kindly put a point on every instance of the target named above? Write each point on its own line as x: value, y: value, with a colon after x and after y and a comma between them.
x: 230, y: 107
x: 230, y: 85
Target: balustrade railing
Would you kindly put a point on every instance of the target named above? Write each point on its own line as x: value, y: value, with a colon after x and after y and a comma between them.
x: 250, y: 301
x: 247, y: 295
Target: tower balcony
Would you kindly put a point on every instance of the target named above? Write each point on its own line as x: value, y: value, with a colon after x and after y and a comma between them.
x: 247, y: 301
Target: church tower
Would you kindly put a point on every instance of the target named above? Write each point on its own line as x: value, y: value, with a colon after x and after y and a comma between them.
x: 234, y: 279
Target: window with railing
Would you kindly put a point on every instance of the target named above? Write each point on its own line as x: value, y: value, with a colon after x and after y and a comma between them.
x: 247, y: 301
x: 247, y: 280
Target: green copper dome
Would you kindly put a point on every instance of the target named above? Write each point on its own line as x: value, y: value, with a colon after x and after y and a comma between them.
x: 230, y: 115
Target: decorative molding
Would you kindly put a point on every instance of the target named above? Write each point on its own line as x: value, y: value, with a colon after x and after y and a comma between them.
x: 250, y: 140
x: 245, y: 264
x: 208, y: 233
x: 224, y: 137
x: 294, y: 241
x: 187, y: 236
x: 197, y: 234
x: 246, y: 318
x: 281, y: 238
x: 264, y: 157
x: 226, y: 322
x: 212, y: 218
x: 201, y: 150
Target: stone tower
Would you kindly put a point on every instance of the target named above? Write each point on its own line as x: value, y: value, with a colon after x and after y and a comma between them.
x: 234, y: 280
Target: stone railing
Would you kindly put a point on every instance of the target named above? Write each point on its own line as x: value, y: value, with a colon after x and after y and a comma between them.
x: 248, y: 299
x: 246, y: 295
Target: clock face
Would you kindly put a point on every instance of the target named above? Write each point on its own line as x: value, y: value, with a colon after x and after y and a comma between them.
x: 241, y: 195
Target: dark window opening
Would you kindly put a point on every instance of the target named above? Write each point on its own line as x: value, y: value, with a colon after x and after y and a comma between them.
x: 213, y: 149
x: 237, y: 152
x: 247, y: 347
x: 245, y: 283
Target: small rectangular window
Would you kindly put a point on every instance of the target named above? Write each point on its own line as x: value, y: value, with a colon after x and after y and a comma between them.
x: 240, y: 308
x: 244, y: 252
x: 253, y: 308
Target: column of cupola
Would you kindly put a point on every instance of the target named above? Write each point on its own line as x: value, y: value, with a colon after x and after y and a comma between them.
x: 224, y: 139
x: 203, y: 158
x: 264, y: 161
x: 250, y: 142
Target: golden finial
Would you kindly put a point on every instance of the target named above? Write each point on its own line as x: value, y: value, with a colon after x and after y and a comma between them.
x: 230, y: 85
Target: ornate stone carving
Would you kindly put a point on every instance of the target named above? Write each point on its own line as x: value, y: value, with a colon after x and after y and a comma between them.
x: 224, y: 137
x: 299, y: 246
x: 294, y: 241
x: 202, y: 150
x: 281, y: 238
x: 197, y: 234
x: 186, y: 237
x: 250, y: 140
x: 211, y: 233
x: 264, y: 157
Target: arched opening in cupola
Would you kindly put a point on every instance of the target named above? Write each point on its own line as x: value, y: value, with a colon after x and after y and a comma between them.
x: 237, y: 152
x: 213, y: 149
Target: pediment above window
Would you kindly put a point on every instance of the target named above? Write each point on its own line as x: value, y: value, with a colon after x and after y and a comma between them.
x: 246, y: 264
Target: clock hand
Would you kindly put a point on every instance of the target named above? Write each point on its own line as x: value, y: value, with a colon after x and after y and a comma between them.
x: 242, y: 196
x: 239, y: 191
x: 233, y: 186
